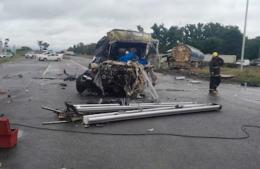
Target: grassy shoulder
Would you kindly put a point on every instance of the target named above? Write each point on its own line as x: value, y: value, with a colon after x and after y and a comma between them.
x: 249, y: 74
x: 9, y: 59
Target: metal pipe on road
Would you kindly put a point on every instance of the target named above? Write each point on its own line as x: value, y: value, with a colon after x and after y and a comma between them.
x: 144, y: 110
x: 120, y: 117
x: 120, y: 108
x: 117, y: 104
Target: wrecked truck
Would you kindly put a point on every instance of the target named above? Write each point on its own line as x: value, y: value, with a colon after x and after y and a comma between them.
x: 184, y: 56
x: 108, y: 75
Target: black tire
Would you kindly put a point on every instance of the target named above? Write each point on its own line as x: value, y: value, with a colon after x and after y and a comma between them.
x: 81, y: 84
x: 58, y: 59
x: 45, y: 59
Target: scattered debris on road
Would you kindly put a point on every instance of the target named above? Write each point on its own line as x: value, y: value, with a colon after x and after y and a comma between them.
x: 175, y: 90
x: 69, y: 76
x: 10, y: 100
x: 55, y: 122
x: 150, y: 130
x: 63, y: 84
x: 195, y: 82
x: 248, y: 84
x: 103, y: 113
x: 47, y: 78
x: 180, y: 78
x: 13, y: 76
x: 2, y: 92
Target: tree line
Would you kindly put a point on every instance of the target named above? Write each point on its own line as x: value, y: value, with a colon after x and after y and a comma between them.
x: 82, y: 48
x: 208, y: 38
x: 43, y: 45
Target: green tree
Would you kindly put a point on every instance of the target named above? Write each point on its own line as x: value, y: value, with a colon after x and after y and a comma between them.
x: 140, y: 28
x: 81, y: 48
x: 252, y: 50
x: 45, y: 45
x: 160, y: 33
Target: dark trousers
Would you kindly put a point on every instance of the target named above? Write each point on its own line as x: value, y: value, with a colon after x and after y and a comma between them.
x: 214, y: 82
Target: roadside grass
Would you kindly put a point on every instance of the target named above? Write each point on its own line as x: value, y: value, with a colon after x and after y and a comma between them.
x: 249, y: 74
x: 9, y: 59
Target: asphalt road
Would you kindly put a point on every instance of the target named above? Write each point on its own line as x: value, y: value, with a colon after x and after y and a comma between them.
x: 51, y: 149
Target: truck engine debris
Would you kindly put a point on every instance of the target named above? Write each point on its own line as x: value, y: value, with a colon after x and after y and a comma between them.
x: 120, y: 65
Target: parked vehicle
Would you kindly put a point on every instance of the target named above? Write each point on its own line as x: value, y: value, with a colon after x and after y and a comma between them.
x: 255, y: 62
x: 29, y: 55
x: 246, y: 62
x: 50, y: 56
x: 6, y: 55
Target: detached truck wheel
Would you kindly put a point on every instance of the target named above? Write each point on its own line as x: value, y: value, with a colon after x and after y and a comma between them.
x: 81, y: 84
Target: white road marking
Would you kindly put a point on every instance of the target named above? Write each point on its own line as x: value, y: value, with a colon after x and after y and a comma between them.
x: 46, y: 70
x: 81, y: 66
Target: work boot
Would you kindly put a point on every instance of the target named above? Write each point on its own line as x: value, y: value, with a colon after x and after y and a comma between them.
x: 213, y: 92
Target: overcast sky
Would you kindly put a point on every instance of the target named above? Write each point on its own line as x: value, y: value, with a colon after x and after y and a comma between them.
x: 66, y: 22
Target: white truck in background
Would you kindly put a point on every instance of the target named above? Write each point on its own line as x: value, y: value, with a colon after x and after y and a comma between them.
x: 246, y: 62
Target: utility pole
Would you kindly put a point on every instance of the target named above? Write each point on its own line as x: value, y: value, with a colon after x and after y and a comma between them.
x: 258, y: 56
x: 244, y: 37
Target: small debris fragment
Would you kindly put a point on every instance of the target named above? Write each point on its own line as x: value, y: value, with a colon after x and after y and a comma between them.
x: 55, y: 122
x: 150, y: 130
x: 2, y: 92
x: 248, y: 84
x: 180, y: 77
x: 13, y: 76
x: 195, y: 82
x: 175, y: 90
x: 10, y: 100
x: 63, y: 84
x: 69, y: 76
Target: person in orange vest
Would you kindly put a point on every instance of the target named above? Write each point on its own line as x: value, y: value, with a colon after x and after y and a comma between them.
x: 214, y: 70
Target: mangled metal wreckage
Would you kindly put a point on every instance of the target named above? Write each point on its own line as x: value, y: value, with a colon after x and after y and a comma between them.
x: 122, y: 65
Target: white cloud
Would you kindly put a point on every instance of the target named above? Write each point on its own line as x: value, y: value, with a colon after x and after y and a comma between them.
x: 66, y: 22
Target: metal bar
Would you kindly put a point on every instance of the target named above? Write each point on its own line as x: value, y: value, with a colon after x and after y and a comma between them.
x: 54, y: 122
x: 144, y: 110
x: 129, y: 116
x: 103, y: 105
x: 56, y: 111
x: 94, y: 105
x: 150, y: 85
x: 118, y: 108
